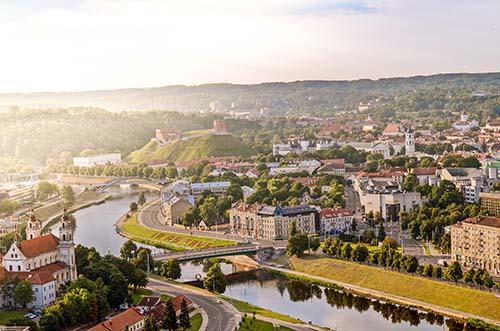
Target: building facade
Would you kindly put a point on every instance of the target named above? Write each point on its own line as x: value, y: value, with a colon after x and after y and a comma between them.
x: 174, y: 209
x: 491, y: 202
x: 92, y: 161
x: 335, y: 221
x: 475, y: 243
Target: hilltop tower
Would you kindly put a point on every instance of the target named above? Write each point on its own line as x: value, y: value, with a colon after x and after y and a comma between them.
x: 66, y: 249
x: 34, y: 227
x: 409, y: 142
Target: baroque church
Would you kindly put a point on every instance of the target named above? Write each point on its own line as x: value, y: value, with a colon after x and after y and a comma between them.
x: 46, y: 261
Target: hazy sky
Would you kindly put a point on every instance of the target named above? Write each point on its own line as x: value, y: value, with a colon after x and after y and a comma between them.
x: 56, y: 45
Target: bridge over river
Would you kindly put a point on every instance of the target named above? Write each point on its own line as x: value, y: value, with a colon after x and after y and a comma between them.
x: 127, y: 180
x: 212, y: 252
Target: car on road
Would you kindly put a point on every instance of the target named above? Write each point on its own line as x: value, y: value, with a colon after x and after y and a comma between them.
x: 30, y: 316
x: 218, y: 301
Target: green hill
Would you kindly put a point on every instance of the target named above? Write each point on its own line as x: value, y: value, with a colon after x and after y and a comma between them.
x: 195, y: 148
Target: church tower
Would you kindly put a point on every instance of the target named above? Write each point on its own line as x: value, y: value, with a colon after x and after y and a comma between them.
x: 34, y: 227
x: 66, y: 247
x: 409, y: 142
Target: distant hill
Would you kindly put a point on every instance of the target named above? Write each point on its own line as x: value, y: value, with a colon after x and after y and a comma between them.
x: 299, y: 96
x: 198, y: 147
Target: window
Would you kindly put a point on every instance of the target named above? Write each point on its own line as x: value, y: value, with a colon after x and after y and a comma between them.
x: 10, y: 268
x: 18, y: 268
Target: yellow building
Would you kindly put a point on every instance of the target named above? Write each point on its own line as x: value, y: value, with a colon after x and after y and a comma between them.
x: 475, y: 243
x: 174, y: 209
x: 491, y: 202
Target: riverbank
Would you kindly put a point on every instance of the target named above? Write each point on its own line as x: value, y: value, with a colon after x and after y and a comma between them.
x: 49, y: 214
x: 130, y: 228
x: 446, y: 299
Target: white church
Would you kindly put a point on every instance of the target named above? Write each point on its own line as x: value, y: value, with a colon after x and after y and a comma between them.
x: 46, y: 261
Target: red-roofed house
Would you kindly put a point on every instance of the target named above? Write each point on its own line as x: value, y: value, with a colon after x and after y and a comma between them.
x: 392, y: 129
x: 130, y: 318
x: 335, y: 220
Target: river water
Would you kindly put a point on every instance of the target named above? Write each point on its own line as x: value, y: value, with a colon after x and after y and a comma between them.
x: 324, y: 307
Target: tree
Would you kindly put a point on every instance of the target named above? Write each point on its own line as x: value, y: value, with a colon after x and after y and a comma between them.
x: 437, y: 272
x: 184, y: 321
x: 140, y: 279
x: 293, y: 229
x: 171, y: 269
x: 133, y: 206
x: 215, y: 281
x: 150, y: 324
x: 169, y: 317
x: 45, y: 190
x: 428, y: 270
x: 487, y: 281
x: 410, y: 264
x: 410, y: 183
x: 469, y: 276
x: 128, y: 250
x: 297, y: 245
x: 453, y: 272
x: 68, y: 195
x: 360, y: 253
x: 141, y: 200
x: 315, y: 243
x: 381, y: 232
x: 23, y: 293
x: 346, y: 251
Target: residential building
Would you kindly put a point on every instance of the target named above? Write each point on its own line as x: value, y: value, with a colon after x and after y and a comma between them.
x: 272, y: 223
x: 464, y: 124
x: 147, y: 304
x: 428, y: 175
x: 493, y: 125
x: 131, y: 320
x: 475, y: 243
x: 92, y: 161
x: 391, y: 130
x: 469, y: 181
x: 333, y: 167
x: 46, y: 261
x: 174, y: 209
x: 492, y: 172
x: 335, y: 221
x: 491, y: 202
x: 213, y: 187
x: 8, y: 225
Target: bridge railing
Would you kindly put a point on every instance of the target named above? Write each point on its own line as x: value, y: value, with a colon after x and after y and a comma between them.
x: 205, y: 251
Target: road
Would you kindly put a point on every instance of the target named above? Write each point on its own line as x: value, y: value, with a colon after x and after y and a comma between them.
x: 150, y: 216
x: 221, y: 316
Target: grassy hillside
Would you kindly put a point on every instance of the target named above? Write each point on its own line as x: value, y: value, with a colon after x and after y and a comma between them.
x: 195, y: 148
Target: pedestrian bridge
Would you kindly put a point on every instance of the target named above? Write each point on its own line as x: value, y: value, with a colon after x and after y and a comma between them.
x: 127, y: 180
x: 210, y: 252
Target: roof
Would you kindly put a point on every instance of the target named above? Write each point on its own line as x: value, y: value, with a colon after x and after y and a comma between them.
x: 157, y: 311
x: 149, y: 302
x: 490, y: 221
x: 425, y: 171
x: 177, y: 302
x: 392, y: 128
x: 120, y: 321
x: 286, y: 211
x: 37, y: 246
x: 244, y: 207
x: 34, y: 277
x: 209, y: 185
x: 334, y: 212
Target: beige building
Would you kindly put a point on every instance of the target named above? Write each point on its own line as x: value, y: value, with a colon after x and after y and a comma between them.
x: 475, y: 243
x: 273, y: 223
x: 174, y: 209
x: 491, y: 202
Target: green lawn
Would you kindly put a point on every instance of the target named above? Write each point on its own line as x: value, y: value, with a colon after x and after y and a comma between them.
x: 7, y: 315
x: 248, y: 323
x: 430, y: 291
x: 139, y: 293
x: 169, y: 240
x: 248, y: 308
x: 196, y: 321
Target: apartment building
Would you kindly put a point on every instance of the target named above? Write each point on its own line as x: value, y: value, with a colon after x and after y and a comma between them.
x: 475, y: 243
x: 335, y: 221
x: 491, y: 202
x: 470, y: 181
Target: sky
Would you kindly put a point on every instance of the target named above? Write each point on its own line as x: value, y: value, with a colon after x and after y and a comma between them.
x: 74, y: 45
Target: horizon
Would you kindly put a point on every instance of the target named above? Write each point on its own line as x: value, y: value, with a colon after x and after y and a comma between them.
x: 82, y: 45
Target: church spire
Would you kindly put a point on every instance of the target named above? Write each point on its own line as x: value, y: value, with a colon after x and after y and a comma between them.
x: 34, y: 226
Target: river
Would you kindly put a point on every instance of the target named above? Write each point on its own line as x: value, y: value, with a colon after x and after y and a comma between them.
x: 324, y: 307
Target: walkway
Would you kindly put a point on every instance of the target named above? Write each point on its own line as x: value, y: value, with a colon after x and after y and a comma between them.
x: 208, y: 252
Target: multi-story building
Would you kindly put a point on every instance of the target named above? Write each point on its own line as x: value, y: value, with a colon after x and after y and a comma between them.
x: 492, y: 172
x: 335, y: 221
x: 92, y: 161
x: 131, y: 319
x: 220, y: 127
x: 428, y: 175
x: 213, y: 187
x: 491, y: 202
x: 174, y: 209
x: 469, y: 181
x: 272, y: 223
x: 475, y: 243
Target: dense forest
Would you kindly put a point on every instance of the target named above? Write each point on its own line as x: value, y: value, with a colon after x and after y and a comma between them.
x: 278, y: 97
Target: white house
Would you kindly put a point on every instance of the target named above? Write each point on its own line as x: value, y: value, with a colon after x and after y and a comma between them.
x: 335, y: 220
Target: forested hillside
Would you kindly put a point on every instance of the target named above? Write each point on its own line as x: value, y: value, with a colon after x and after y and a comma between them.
x: 278, y: 97
x: 34, y: 135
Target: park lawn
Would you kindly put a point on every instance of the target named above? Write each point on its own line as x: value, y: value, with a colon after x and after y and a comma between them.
x: 169, y: 240
x: 249, y: 323
x: 7, y: 315
x: 196, y: 321
x: 248, y: 308
x: 480, y: 303
x: 139, y: 293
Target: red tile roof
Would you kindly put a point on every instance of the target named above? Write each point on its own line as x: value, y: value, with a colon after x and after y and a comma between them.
x: 392, y: 128
x: 425, y: 171
x: 34, y: 277
x: 118, y: 322
x: 149, y: 302
x: 177, y: 302
x: 334, y: 212
x: 37, y: 246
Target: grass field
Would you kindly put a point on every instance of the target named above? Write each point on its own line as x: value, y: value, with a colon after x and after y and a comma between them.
x: 480, y: 303
x: 196, y: 148
x: 248, y: 308
x: 169, y: 240
x: 7, y: 315
x: 196, y: 321
x: 248, y: 323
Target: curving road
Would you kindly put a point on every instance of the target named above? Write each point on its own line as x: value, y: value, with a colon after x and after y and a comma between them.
x: 221, y: 316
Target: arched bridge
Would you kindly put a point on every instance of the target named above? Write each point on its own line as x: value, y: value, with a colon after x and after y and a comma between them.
x: 211, y: 252
x: 127, y: 180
